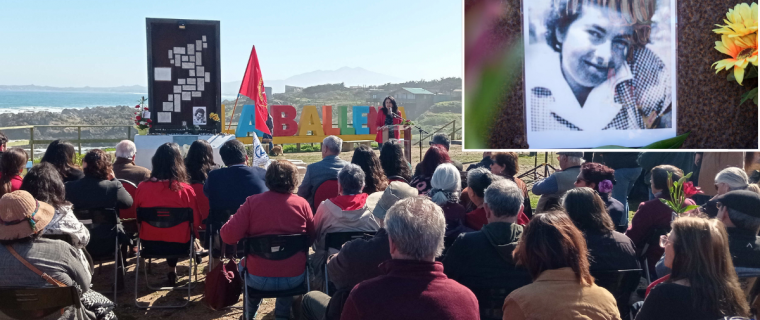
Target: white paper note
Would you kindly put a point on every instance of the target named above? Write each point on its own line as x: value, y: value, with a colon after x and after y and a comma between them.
x: 164, y: 117
x: 192, y: 73
x: 181, y: 81
x: 204, y: 39
x: 192, y: 58
x: 179, y: 50
x: 177, y: 89
x: 171, y: 61
x: 186, y: 96
x: 185, y: 58
x: 171, y: 97
x: 162, y: 74
x: 208, y: 77
x: 190, y: 80
x: 189, y: 87
x: 198, y: 44
x: 177, y: 60
x: 170, y: 54
x: 198, y: 60
x: 205, y: 45
x: 177, y: 103
x: 177, y: 98
x: 190, y: 48
x: 188, y: 65
x: 200, y: 84
x: 196, y: 93
x: 168, y: 106
x: 200, y: 70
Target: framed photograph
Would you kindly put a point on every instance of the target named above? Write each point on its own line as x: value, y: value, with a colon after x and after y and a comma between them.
x: 199, y: 116
x: 599, y: 73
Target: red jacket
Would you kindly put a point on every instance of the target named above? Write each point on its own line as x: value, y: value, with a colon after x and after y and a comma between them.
x: 410, y: 289
x: 202, y: 201
x: 476, y: 219
x: 151, y: 194
x: 271, y: 213
x: 380, y: 121
x: 15, y: 182
x: 650, y: 215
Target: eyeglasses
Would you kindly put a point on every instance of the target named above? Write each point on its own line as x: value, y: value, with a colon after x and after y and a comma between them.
x: 664, y: 240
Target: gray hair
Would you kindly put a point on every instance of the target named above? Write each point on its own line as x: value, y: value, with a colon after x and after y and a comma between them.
x: 504, y: 198
x: 333, y: 144
x: 126, y: 149
x: 416, y: 226
x: 351, y: 179
x: 744, y: 221
x: 446, y: 178
x: 479, y: 179
x: 573, y: 160
x: 735, y: 178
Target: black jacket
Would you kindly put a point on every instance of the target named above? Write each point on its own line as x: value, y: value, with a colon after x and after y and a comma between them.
x: 482, y: 260
x: 227, y: 188
x: 611, y: 251
x: 90, y: 193
x: 744, y: 247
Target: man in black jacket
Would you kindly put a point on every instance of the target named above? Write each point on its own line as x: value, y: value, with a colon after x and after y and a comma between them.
x: 482, y: 260
x: 740, y: 212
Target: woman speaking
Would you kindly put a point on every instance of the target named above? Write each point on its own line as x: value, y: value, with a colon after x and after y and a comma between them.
x: 387, y: 115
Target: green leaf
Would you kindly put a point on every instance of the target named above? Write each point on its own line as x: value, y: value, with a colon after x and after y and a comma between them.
x: 666, y: 202
x: 752, y: 73
x: 689, y: 208
x: 612, y: 147
x: 731, y: 76
x: 684, y: 178
x: 672, y: 143
x: 749, y: 94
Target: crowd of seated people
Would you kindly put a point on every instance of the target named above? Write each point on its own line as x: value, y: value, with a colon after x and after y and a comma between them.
x: 427, y: 251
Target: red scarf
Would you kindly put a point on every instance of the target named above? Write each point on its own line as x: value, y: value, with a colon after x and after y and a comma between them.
x: 350, y: 202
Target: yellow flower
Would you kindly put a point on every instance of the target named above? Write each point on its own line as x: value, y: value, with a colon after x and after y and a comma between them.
x: 742, y: 20
x: 742, y: 51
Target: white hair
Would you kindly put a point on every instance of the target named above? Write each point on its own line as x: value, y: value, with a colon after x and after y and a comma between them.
x: 416, y: 225
x: 126, y: 149
x: 333, y: 144
x: 735, y: 178
x: 445, y: 178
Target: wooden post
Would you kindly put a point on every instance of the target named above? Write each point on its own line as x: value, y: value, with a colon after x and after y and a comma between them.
x: 31, y: 141
x: 453, y: 129
x: 298, y: 147
x: 129, y: 134
x: 79, y: 139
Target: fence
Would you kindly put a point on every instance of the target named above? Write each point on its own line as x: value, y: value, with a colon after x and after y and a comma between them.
x: 31, y: 142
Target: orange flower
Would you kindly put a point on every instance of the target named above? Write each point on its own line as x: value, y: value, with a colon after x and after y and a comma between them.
x: 743, y: 51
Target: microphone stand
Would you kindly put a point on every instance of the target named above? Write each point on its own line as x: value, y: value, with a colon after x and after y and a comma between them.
x: 418, y: 128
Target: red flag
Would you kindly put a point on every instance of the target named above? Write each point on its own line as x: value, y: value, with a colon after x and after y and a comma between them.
x: 253, y: 88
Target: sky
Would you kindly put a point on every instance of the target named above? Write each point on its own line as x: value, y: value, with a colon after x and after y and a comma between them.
x: 103, y: 43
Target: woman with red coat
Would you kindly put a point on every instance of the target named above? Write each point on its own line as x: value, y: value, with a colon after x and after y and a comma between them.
x: 12, y: 163
x: 198, y: 163
x: 167, y: 188
x: 387, y: 115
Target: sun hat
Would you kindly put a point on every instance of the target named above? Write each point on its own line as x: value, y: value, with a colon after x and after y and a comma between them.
x: 22, y: 216
x: 394, y: 192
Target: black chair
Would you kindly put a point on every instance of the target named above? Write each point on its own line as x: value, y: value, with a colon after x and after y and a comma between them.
x: 621, y: 283
x: 166, y: 218
x: 490, y: 301
x: 38, y: 303
x: 275, y: 247
x: 652, y: 240
x: 97, y: 220
x: 336, y: 240
x: 214, y: 222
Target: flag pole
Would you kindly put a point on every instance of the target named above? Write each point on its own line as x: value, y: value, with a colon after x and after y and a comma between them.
x: 241, y: 87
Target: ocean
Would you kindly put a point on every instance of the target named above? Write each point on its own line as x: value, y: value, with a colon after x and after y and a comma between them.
x: 25, y: 101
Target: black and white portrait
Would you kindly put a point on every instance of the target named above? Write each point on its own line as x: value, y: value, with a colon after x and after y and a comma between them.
x: 600, y: 71
x: 199, y: 116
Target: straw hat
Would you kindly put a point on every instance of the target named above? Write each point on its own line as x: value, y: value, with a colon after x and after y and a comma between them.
x: 22, y: 216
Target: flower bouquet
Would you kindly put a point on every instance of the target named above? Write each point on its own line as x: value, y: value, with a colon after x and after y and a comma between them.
x: 739, y: 40
x: 142, y: 118
x: 679, y: 192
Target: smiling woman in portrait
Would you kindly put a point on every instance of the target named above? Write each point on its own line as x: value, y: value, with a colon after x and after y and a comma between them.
x: 594, y: 72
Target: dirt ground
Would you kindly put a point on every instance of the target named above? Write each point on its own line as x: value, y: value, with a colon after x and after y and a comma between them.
x: 126, y: 310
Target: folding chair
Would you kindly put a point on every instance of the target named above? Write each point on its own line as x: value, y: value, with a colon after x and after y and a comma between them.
x: 275, y: 247
x: 38, y: 303
x: 166, y: 218
x: 621, y: 283
x: 216, y: 219
x: 336, y: 240
x: 104, y: 219
x: 326, y: 190
x: 653, y: 240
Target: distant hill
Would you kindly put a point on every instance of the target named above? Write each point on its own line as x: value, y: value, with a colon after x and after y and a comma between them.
x: 349, y: 76
x: 121, y: 89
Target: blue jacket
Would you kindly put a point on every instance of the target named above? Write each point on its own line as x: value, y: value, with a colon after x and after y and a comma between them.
x: 319, y: 172
x: 227, y: 188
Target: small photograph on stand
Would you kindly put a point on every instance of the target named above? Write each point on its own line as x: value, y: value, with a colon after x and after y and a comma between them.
x: 199, y: 116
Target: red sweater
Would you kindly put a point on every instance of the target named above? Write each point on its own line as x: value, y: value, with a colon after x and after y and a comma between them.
x: 15, y: 182
x: 476, y: 219
x: 271, y: 213
x: 151, y: 194
x: 202, y: 201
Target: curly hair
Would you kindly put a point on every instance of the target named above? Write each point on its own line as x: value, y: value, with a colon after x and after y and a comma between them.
x: 393, y: 162
x: 508, y: 160
x: 596, y: 172
x: 167, y: 165
x: 281, y: 176
x: 45, y: 184
x: 636, y: 13
x: 393, y: 102
x: 60, y: 153
x: 199, y: 161
x: 433, y: 157
x: 374, y: 177
x: 98, y: 164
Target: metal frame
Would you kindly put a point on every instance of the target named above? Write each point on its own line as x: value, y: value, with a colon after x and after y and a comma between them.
x: 190, y: 285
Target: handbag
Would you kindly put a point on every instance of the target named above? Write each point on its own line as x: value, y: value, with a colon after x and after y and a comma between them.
x: 223, y: 285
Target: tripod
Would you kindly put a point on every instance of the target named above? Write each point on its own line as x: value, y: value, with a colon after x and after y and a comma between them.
x: 535, y: 171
